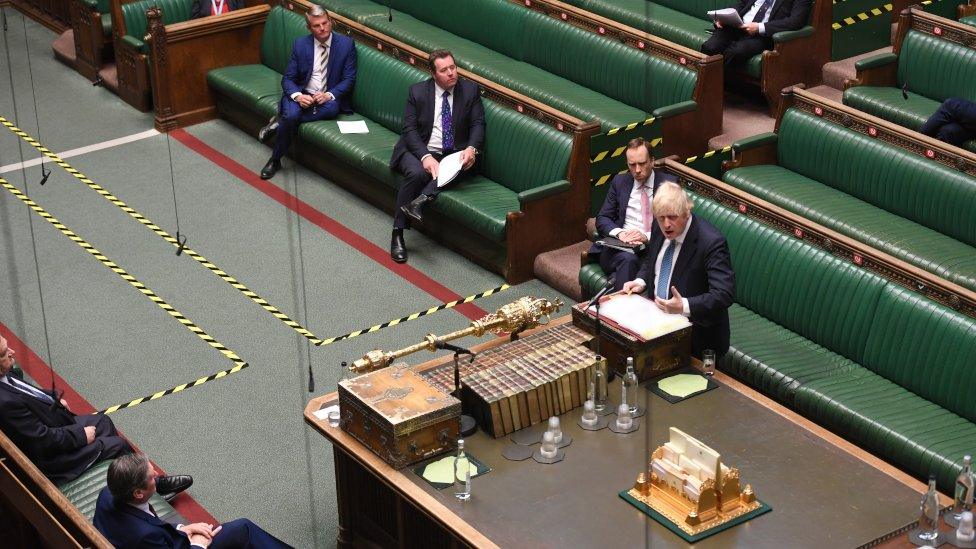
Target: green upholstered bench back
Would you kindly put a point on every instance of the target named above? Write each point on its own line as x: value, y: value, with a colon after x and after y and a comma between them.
x: 281, y: 29
x: 495, y: 24
x: 936, y: 68
x: 83, y: 493
x: 926, y: 348
x: 696, y: 8
x: 134, y: 14
x: 522, y: 153
x: 382, y: 90
x: 796, y: 285
x: 901, y: 182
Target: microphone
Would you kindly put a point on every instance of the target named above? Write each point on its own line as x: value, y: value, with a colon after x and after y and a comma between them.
x: 449, y: 347
x: 45, y: 173
x: 606, y: 289
x: 390, y: 11
x: 904, y: 90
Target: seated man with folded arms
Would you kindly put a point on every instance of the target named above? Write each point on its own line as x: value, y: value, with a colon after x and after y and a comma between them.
x: 761, y: 19
x: 626, y: 213
x: 954, y: 122
x: 61, y: 444
x: 124, y: 516
x: 690, y: 271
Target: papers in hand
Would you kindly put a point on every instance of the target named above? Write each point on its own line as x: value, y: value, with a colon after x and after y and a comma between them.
x: 728, y: 17
x: 352, y: 126
x: 639, y: 315
x: 450, y: 167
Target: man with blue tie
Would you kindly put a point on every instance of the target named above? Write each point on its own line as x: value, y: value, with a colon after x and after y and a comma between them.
x: 761, y: 19
x: 443, y: 115
x: 690, y: 270
x: 61, y: 444
x: 626, y: 213
x: 317, y: 84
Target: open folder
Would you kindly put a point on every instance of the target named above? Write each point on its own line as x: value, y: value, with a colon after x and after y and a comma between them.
x: 728, y: 17
x: 450, y: 167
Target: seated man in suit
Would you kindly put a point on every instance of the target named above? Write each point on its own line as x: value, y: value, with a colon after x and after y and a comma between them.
x: 123, y: 515
x: 626, y: 213
x: 689, y: 256
x: 61, y: 444
x: 205, y: 8
x: 954, y: 122
x: 443, y: 115
x: 317, y: 84
x: 761, y: 20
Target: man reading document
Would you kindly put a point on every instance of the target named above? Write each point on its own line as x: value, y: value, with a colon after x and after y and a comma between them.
x: 761, y: 19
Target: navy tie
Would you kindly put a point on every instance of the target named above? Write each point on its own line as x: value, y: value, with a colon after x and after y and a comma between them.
x: 762, y: 11
x: 447, y: 125
x: 665, y: 275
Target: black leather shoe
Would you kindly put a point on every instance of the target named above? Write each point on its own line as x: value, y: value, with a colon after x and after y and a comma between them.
x: 170, y: 487
x: 271, y: 168
x: 398, y: 248
x: 267, y: 132
x: 413, y: 210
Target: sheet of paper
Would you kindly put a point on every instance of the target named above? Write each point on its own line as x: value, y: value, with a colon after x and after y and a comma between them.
x: 442, y: 470
x: 640, y: 315
x: 682, y: 385
x: 450, y: 167
x: 324, y: 412
x: 352, y: 126
x: 728, y: 17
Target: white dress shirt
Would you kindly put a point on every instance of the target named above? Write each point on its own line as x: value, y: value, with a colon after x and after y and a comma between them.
x: 436, y: 142
x: 751, y: 15
x: 634, y: 219
x: 678, y: 241
x: 316, y: 82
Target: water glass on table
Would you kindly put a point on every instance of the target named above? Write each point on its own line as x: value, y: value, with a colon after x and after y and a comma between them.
x: 708, y: 361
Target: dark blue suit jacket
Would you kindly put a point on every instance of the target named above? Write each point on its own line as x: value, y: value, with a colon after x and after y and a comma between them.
x: 703, y: 274
x: 614, y: 211
x: 125, y: 526
x: 341, y: 75
x: 467, y: 117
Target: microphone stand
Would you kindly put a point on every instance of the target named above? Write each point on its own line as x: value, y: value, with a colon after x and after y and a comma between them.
x: 468, y: 425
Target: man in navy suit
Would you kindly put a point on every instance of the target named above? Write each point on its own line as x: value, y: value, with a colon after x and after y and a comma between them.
x: 690, y: 270
x: 317, y: 84
x: 123, y: 515
x: 626, y: 213
x: 954, y: 122
x: 61, y: 444
x: 761, y: 19
x: 443, y: 115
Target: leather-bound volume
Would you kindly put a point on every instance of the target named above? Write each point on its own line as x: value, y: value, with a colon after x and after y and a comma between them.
x: 399, y: 415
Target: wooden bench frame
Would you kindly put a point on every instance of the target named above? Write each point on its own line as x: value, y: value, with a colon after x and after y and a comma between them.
x: 53, y: 14
x: 684, y: 134
x: 92, y: 47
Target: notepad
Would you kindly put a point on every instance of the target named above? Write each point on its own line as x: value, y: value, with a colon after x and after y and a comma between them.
x: 352, y: 126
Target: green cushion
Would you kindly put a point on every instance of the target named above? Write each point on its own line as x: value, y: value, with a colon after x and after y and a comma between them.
x: 384, y: 85
x: 971, y: 20
x: 134, y: 14
x: 254, y: 85
x: 592, y: 279
x: 370, y: 152
x: 680, y: 21
x: 281, y: 30
x: 479, y: 204
x: 900, y: 237
x: 936, y: 68
x: 83, y: 493
x: 522, y: 153
x: 754, y: 66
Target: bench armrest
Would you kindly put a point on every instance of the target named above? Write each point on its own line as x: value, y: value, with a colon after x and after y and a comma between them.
x: 675, y: 109
x: 754, y: 141
x: 875, y: 61
x: 544, y: 191
x: 787, y: 36
x: 133, y: 42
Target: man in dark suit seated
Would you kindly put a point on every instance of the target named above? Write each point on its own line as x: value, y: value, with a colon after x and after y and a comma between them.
x: 443, y: 115
x: 123, y: 515
x: 761, y: 20
x: 317, y: 84
x: 205, y: 8
x: 954, y: 122
x: 690, y: 269
x: 626, y: 213
x: 61, y: 444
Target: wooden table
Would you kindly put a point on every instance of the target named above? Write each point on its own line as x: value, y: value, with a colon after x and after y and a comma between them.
x: 823, y: 490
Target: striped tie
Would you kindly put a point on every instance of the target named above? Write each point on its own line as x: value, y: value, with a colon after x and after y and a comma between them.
x: 665, y: 275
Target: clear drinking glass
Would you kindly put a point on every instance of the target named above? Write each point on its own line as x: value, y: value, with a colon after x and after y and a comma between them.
x: 708, y: 361
x: 334, y: 418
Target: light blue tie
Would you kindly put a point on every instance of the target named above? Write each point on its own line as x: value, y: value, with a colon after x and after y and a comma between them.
x: 29, y: 389
x: 665, y: 275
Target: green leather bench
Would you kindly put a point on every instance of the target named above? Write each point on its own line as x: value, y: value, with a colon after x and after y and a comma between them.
x: 572, y: 69
x: 917, y: 209
x: 926, y: 65
x: 525, y: 161
x: 877, y: 363
x: 83, y: 494
x: 798, y: 56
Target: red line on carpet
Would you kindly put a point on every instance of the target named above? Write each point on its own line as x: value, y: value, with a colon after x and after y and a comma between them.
x: 41, y: 373
x: 331, y: 226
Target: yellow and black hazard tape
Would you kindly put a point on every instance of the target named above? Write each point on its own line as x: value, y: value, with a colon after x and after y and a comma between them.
x: 186, y: 322
x: 414, y: 316
x: 613, y: 153
x: 285, y: 319
x: 172, y: 390
x: 603, y: 179
x: 865, y: 15
x: 631, y: 126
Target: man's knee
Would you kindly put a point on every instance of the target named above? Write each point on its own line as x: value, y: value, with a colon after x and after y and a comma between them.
x: 952, y: 133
